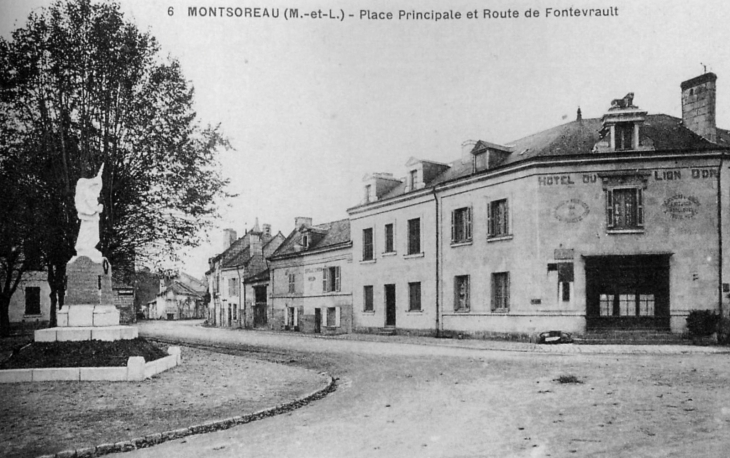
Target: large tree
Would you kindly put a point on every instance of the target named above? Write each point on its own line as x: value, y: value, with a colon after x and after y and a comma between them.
x: 83, y: 87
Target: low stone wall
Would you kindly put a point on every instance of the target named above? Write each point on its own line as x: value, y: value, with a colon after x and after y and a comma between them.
x: 136, y: 370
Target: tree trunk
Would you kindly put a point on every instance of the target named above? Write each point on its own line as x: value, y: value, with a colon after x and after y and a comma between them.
x: 4, y: 315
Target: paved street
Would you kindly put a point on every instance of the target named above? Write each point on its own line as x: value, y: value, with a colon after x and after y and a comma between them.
x: 439, y: 398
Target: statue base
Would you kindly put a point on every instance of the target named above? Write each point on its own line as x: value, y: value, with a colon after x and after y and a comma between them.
x: 88, y: 312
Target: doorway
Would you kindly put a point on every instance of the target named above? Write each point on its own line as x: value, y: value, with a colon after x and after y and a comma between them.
x: 259, y: 309
x: 627, y: 292
x: 390, y: 305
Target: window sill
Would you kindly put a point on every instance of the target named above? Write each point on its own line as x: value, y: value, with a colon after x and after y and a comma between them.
x: 367, y: 261
x: 461, y: 243
x: 368, y: 312
x: 413, y: 256
x: 625, y: 231
x: 33, y: 315
x: 462, y: 311
x: 414, y: 312
x: 499, y: 238
x: 389, y: 253
x: 500, y: 311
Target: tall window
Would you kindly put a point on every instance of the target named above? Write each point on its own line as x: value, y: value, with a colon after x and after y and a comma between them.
x: 292, y: 283
x: 461, y: 225
x: 500, y: 292
x: 389, y: 245
x: 498, y: 218
x: 414, y: 297
x: 331, y: 279
x: 480, y: 161
x: 232, y: 287
x: 367, y: 244
x: 367, y: 293
x: 414, y: 236
x: 624, y: 132
x: 461, y: 293
x: 624, y: 208
x: 368, y: 189
x: 32, y: 300
x: 413, y: 177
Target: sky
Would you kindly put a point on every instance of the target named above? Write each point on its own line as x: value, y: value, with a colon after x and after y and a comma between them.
x: 311, y: 105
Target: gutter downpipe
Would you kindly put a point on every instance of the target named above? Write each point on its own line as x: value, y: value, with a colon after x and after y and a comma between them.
x: 241, y: 306
x: 438, y: 264
x: 719, y: 237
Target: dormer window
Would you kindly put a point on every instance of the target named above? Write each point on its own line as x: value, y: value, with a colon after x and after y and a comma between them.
x: 413, y: 179
x: 305, y: 241
x: 368, y: 190
x: 480, y: 161
x: 624, y: 136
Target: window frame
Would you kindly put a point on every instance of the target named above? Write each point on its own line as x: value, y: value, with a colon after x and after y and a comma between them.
x: 368, y: 302
x: 414, y: 300
x: 502, y: 306
x: 410, y: 243
x: 331, y: 281
x: 458, y: 279
x: 461, y: 225
x: 32, y: 292
x: 368, y: 247
x: 389, y: 239
x: 494, y: 229
x: 292, y: 283
x: 637, y: 212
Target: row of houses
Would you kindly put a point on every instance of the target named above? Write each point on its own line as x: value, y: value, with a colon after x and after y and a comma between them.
x: 615, y: 222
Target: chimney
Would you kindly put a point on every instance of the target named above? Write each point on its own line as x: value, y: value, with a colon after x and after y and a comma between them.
x: 698, y: 106
x: 229, y: 236
x: 466, y: 148
x: 300, y: 221
x: 267, y: 230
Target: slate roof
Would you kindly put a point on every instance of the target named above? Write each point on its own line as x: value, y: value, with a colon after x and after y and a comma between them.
x: 577, y: 138
x: 334, y: 233
x: 183, y: 289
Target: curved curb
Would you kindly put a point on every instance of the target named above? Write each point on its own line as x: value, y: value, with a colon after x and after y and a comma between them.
x: 208, y: 427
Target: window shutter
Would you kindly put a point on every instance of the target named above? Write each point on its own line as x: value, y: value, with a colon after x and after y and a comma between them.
x: 467, y: 300
x: 296, y: 316
x: 453, y: 226
x: 325, y: 275
x: 337, y: 278
x: 323, y: 317
x: 490, y: 220
x: 286, y: 316
x: 506, y: 217
x: 468, y: 223
x: 506, y: 291
x: 609, y: 208
x: 640, y: 207
x: 337, y: 317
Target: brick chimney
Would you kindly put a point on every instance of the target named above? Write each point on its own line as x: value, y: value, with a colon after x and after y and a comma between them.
x: 300, y: 221
x: 229, y: 236
x: 698, y: 106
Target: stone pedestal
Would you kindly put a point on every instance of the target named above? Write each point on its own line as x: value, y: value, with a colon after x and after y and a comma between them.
x: 88, y: 312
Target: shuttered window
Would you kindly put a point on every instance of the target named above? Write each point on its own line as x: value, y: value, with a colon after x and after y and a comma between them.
x: 498, y: 218
x: 461, y: 225
x: 625, y: 208
x: 500, y: 292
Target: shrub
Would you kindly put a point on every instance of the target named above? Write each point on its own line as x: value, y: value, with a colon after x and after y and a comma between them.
x: 702, y: 322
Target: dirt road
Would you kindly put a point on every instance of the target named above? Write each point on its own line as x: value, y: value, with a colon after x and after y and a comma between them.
x: 398, y: 400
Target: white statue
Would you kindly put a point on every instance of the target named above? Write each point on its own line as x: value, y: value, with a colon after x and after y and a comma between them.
x: 88, y: 209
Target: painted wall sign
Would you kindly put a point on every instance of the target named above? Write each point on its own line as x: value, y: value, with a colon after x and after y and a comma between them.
x: 571, y: 211
x: 681, y: 206
x: 563, y: 253
x: 565, y: 179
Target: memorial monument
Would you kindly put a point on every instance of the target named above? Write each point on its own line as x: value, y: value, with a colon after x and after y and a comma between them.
x: 89, y: 312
